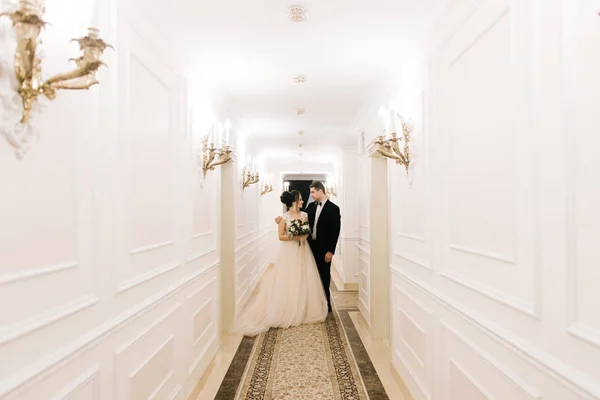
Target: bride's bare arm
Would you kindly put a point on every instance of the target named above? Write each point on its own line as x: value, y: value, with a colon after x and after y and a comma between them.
x: 283, y: 235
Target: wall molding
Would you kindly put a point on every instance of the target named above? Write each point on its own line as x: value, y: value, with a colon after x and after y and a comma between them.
x: 454, y: 363
x: 492, y: 293
x: 413, y: 375
x: 175, y: 392
x: 92, y: 375
x: 398, y: 295
x: 484, y: 254
x: 568, y: 377
x: 44, y: 319
x: 255, y: 245
x: 45, y: 366
x: 423, y: 333
x: 161, y: 385
x: 526, y: 389
x: 201, y: 235
x: 413, y: 300
x: 210, y: 326
x: 411, y: 237
x: 196, y: 292
x: 202, y: 354
x: 34, y: 273
x: 196, y: 256
x: 125, y: 347
x: 258, y: 235
x: 363, y: 250
x: 170, y: 340
x: 411, y: 260
x: 145, y: 249
x: 585, y: 333
x: 140, y: 279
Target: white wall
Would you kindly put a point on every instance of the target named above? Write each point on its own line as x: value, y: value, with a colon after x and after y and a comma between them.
x: 252, y: 250
x: 345, y: 266
x: 493, y: 244
x: 108, y: 244
x: 363, y: 234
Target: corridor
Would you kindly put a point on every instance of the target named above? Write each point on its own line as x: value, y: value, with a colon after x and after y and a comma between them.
x: 297, y: 373
x: 145, y: 146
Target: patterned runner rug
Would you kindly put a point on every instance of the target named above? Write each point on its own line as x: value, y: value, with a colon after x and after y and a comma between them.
x: 307, y: 362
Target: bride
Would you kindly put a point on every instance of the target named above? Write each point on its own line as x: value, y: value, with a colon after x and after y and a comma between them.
x: 289, y: 293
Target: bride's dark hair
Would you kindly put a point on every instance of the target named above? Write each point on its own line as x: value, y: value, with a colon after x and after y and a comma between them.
x: 289, y: 198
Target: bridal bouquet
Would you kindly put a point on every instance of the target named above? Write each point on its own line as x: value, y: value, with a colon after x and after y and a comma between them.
x: 299, y: 228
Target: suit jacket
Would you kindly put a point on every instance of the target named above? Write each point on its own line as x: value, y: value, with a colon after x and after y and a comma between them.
x: 328, y: 226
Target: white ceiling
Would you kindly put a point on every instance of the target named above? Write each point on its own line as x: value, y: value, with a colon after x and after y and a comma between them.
x: 347, y: 50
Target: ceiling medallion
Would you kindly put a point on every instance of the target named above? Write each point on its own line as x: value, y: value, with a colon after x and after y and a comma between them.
x: 297, y: 14
x: 300, y: 79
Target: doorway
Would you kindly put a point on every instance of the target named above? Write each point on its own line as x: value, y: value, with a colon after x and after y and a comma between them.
x: 303, y: 186
x: 301, y: 183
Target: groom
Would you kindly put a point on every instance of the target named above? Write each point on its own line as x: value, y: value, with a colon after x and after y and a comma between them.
x: 324, y: 218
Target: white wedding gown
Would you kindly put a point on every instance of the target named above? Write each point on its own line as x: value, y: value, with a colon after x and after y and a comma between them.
x: 289, y: 293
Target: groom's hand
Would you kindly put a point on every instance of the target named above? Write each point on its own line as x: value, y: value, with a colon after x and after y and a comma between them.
x: 278, y: 220
x: 328, y: 257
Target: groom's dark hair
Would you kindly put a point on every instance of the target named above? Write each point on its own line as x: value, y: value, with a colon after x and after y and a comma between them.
x: 317, y: 185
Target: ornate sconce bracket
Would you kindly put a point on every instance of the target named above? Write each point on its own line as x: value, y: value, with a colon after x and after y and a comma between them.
x: 212, y: 156
x: 249, y: 178
x: 266, y: 188
x: 391, y: 149
x: 330, y: 190
x: 27, y: 21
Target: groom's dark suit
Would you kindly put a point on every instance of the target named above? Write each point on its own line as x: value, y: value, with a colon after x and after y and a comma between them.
x: 328, y: 232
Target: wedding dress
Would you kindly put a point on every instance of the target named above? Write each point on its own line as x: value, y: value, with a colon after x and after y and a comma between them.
x: 289, y: 293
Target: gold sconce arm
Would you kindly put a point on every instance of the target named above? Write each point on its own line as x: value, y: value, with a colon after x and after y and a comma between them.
x: 249, y: 178
x: 390, y: 151
x: 390, y: 148
x: 212, y: 156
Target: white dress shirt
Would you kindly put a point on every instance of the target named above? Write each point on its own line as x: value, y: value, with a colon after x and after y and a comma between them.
x: 317, y: 214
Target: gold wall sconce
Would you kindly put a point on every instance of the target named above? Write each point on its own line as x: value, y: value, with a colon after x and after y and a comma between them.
x: 330, y: 190
x: 215, y: 148
x: 249, y: 175
x: 390, y: 148
x: 27, y: 20
x: 267, y: 187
